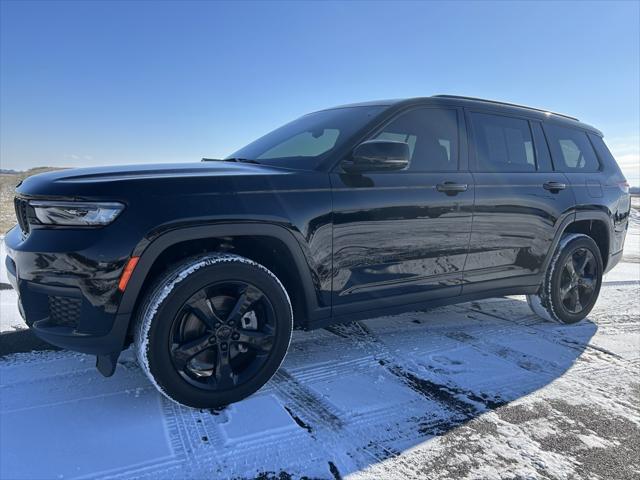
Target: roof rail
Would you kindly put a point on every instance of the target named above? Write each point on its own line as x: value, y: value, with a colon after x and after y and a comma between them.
x: 497, y: 102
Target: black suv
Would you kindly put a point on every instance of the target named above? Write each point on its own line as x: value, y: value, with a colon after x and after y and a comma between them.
x: 343, y: 214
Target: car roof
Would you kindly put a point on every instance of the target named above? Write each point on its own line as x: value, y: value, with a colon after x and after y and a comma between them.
x: 483, y: 104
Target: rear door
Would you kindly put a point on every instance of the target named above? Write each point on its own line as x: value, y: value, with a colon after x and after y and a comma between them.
x: 595, y: 178
x: 574, y: 155
x: 519, y: 201
x: 402, y: 237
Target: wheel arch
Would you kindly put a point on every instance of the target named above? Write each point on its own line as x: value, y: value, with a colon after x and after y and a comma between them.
x: 597, y: 230
x: 595, y: 224
x: 270, y: 245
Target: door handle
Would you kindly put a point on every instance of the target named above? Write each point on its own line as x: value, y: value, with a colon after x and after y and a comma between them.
x: 451, y: 188
x: 554, y: 186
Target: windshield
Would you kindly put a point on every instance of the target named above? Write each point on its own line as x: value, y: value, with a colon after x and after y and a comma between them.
x: 306, y: 141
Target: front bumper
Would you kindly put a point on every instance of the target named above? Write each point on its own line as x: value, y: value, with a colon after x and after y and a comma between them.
x: 69, y: 298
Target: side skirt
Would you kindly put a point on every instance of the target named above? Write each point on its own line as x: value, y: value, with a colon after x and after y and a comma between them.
x: 395, y: 309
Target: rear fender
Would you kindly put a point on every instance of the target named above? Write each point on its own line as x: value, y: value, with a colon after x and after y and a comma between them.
x: 576, y: 217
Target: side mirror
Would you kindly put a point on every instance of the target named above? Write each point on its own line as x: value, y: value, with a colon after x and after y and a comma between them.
x: 378, y: 156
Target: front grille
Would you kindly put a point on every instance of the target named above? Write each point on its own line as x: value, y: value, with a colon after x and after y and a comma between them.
x: 22, y: 214
x: 64, y: 311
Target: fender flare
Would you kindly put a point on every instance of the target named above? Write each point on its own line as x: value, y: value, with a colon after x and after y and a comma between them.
x: 573, y: 217
x: 150, y: 252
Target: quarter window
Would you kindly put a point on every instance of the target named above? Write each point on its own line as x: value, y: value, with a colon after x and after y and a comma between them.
x: 432, y: 136
x: 503, y: 144
x: 572, y: 150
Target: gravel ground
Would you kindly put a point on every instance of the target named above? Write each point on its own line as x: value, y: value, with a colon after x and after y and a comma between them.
x: 478, y: 390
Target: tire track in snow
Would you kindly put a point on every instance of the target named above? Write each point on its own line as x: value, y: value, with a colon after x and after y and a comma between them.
x: 324, y: 420
x: 522, y: 360
x: 557, y: 338
x: 463, y: 403
x: 321, y: 420
x: 305, y: 402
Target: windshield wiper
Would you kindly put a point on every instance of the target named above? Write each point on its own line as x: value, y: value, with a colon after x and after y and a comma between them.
x: 237, y: 160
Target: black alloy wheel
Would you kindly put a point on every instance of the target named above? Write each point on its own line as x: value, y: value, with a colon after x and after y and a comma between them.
x: 578, y: 280
x: 213, y: 330
x: 222, y: 335
x: 572, y: 282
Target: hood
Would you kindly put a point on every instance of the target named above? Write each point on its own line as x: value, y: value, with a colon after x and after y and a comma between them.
x: 150, y: 171
x: 149, y: 179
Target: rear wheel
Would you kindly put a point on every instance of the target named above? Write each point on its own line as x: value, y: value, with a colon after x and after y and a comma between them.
x: 572, y: 282
x: 214, y: 330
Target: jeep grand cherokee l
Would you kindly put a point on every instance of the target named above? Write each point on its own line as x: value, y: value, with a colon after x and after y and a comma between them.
x: 343, y: 214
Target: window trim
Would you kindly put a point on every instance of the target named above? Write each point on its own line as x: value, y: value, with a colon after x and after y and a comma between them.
x: 473, y: 150
x: 396, y: 115
x: 545, y: 145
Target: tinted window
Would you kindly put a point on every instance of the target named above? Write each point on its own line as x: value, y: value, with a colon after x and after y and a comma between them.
x: 503, y: 144
x: 571, y: 149
x: 305, y: 142
x: 432, y: 135
x: 603, y: 152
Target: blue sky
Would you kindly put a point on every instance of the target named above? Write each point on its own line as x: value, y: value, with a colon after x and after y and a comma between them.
x: 93, y: 83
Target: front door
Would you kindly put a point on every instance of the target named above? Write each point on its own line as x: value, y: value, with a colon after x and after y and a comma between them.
x: 402, y: 237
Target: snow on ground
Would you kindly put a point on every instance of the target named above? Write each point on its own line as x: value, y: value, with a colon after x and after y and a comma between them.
x: 10, y: 318
x: 479, y: 390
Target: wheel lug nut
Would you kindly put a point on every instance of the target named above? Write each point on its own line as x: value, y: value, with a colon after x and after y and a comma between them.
x: 230, y: 323
x: 235, y: 336
x: 223, y: 346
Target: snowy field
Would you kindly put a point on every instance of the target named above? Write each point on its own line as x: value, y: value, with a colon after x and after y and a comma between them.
x: 478, y: 390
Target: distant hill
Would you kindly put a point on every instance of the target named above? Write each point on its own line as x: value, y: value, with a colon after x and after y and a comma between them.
x: 8, y: 181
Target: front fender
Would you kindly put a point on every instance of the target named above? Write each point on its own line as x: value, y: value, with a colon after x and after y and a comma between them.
x: 150, y: 251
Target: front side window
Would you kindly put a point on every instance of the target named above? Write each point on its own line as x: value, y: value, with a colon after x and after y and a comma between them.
x: 572, y: 151
x: 305, y: 142
x: 503, y: 144
x: 432, y: 136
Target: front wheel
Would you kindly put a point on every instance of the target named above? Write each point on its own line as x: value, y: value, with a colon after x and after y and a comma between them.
x: 572, y: 282
x: 213, y: 330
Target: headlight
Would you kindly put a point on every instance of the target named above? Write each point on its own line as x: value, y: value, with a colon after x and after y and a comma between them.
x: 76, y: 213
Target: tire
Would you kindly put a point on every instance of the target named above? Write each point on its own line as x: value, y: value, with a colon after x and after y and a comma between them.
x: 213, y: 330
x: 564, y: 297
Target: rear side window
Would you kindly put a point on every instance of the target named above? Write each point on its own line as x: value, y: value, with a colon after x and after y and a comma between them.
x: 432, y: 135
x: 503, y: 144
x: 571, y: 150
x: 603, y: 152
